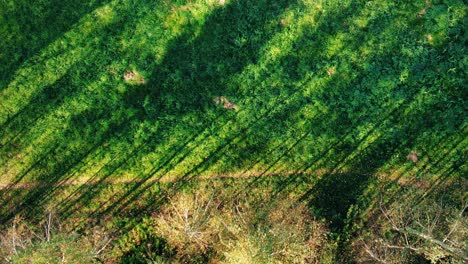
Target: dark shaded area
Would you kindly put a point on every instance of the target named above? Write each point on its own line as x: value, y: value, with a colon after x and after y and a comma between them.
x: 32, y: 26
x: 334, y: 194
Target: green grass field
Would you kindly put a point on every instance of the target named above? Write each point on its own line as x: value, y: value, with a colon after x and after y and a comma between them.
x: 110, y: 108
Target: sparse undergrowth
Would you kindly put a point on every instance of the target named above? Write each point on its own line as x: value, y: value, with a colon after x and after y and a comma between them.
x: 206, y: 224
x: 243, y: 230
x: 47, y: 242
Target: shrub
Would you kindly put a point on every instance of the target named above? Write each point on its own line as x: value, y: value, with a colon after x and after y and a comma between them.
x: 140, y: 244
x: 242, y: 230
x: 416, y: 231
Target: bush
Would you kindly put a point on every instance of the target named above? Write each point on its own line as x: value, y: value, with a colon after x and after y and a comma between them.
x: 242, y: 230
x: 416, y: 231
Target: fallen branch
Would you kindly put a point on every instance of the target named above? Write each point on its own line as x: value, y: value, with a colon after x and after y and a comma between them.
x: 454, y: 251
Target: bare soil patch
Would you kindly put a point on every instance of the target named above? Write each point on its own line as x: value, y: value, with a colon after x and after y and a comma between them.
x: 413, y: 156
x: 134, y: 77
x: 225, y: 103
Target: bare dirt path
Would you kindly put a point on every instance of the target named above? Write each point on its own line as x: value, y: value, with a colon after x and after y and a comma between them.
x: 243, y: 175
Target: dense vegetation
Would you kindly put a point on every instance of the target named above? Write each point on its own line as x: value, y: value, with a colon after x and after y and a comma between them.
x: 200, y: 131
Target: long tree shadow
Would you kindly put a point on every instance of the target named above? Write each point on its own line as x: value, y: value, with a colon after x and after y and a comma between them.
x: 342, y: 198
x: 74, y: 137
x: 397, y: 127
x: 31, y: 26
x: 359, y: 128
x: 192, y: 73
x: 173, y: 91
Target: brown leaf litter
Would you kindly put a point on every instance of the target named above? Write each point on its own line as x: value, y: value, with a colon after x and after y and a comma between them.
x: 413, y: 156
x: 134, y: 77
x: 225, y: 103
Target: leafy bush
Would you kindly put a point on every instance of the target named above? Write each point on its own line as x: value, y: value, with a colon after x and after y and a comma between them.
x: 140, y: 245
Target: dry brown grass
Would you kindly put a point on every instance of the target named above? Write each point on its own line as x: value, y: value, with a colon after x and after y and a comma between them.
x: 243, y: 230
x: 225, y: 103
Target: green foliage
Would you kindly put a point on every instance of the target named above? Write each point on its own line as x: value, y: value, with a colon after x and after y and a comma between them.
x: 141, y: 245
x: 60, y: 249
x: 108, y: 108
